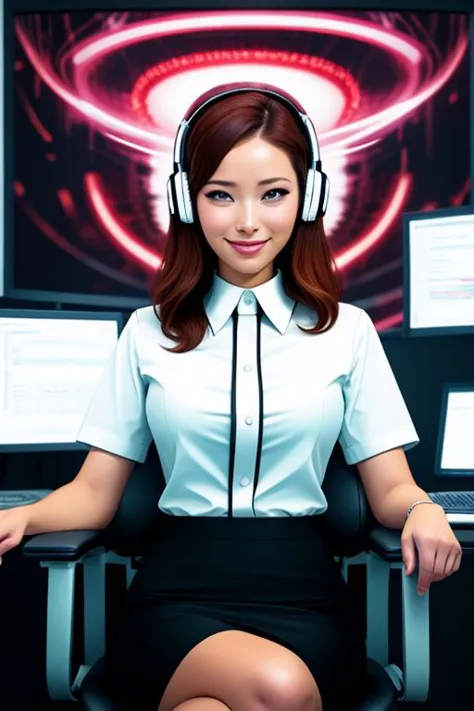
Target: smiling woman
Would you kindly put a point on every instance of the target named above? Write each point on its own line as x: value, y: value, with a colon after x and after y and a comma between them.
x: 253, y: 178
x: 239, y: 603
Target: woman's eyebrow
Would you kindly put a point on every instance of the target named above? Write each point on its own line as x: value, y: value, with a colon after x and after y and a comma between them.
x: 230, y: 184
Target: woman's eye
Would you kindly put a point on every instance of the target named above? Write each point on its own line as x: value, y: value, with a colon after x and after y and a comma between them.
x: 218, y: 195
x: 270, y: 195
x: 275, y: 194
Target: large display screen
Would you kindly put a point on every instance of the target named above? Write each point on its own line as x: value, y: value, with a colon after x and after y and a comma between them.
x: 439, y: 272
x: 98, y: 97
x: 52, y: 362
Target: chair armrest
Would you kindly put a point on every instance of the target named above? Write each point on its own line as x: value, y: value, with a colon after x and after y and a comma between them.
x: 63, y: 545
x: 385, y: 554
x: 60, y: 553
x: 386, y: 543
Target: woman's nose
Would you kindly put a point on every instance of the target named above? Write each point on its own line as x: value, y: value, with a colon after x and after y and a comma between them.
x: 247, y: 219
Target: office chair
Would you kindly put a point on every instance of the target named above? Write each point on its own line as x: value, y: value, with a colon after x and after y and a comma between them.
x: 353, y: 535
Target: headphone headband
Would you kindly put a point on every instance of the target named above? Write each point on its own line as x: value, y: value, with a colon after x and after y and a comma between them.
x: 205, y: 101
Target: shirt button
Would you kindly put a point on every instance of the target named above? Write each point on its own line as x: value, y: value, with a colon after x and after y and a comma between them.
x: 248, y: 420
x: 247, y: 368
x: 245, y: 481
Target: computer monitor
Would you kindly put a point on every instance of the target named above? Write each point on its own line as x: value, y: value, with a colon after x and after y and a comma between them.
x: 2, y: 160
x: 454, y: 452
x: 439, y: 271
x: 51, y: 364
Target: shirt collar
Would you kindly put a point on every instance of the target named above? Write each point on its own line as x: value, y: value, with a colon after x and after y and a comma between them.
x: 223, y: 297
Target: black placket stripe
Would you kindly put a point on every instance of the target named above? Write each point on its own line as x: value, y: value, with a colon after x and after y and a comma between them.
x: 260, y: 406
x: 233, y: 414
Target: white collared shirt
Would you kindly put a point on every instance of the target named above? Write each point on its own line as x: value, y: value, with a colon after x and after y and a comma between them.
x: 246, y: 422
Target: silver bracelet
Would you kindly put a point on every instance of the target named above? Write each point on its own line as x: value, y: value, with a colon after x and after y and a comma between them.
x: 423, y: 501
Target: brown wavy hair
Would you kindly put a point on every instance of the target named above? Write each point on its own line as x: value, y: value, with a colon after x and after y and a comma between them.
x: 186, y: 275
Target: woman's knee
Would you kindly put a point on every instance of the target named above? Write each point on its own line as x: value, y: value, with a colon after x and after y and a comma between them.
x: 246, y: 672
x: 286, y: 685
x: 202, y: 704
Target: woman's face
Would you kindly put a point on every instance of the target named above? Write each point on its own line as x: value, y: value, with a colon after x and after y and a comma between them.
x: 248, y: 209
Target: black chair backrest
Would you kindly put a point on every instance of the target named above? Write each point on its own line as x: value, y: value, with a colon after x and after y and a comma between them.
x: 347, y: 521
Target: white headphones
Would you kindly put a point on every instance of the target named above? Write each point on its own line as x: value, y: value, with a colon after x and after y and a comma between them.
x: 317, y: 183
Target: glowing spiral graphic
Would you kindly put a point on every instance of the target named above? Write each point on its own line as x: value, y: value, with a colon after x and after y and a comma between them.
x: 140, y: 117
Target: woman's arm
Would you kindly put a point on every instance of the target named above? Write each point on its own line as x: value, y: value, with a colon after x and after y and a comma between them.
x: 390, y: 487
x: 89, y: 502
x: 427, y: 537
x: 376, y: 419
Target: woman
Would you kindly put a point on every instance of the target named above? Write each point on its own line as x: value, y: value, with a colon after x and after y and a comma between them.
x: 246, y: 373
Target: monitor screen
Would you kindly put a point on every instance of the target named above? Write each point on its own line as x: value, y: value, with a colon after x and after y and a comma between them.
x: 96, y: 98
x: 455, y: 453
x: 2, y: 161
x: 439, y: 271
x: 51, y: 363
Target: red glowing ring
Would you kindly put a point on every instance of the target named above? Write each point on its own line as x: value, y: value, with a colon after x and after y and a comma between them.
x: 407, y: 52
x: 316, y: 65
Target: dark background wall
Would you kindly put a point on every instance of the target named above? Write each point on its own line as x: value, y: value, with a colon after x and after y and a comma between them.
x: 422, y: 366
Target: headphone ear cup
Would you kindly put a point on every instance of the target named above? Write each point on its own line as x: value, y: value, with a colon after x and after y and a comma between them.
x: 308, y: 195
x: 188, y: 206
x: 324, y: 194
x: 169, y: 193
x: 312, y: 195
x: 183, y: 197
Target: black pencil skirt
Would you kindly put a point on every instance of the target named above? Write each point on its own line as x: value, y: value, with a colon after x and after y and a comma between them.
x: 271, y: 577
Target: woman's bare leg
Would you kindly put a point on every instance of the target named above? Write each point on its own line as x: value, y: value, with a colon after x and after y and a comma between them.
x: 202, y: 704
x: 244, y: 672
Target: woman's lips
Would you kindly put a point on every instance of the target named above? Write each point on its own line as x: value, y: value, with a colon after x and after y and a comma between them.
x: 248, y: 247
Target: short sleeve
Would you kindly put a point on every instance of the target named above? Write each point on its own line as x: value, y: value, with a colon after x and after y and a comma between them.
x: 376, y: 418
x: 116, y: 420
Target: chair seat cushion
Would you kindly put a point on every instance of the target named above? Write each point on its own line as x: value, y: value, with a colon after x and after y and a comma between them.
x: 97, y: 694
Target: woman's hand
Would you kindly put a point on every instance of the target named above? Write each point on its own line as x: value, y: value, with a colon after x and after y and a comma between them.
x: 439, y: 551
x: 13, y: 524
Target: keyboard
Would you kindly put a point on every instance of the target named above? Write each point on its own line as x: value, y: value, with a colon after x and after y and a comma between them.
x: 21, y: 497
x: 458, y: 505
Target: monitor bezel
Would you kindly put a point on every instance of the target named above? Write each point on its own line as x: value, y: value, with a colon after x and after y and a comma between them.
x: 59, y: 314
x: 438, y: 470
x: 407, y: 219
x: 30, y: 6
